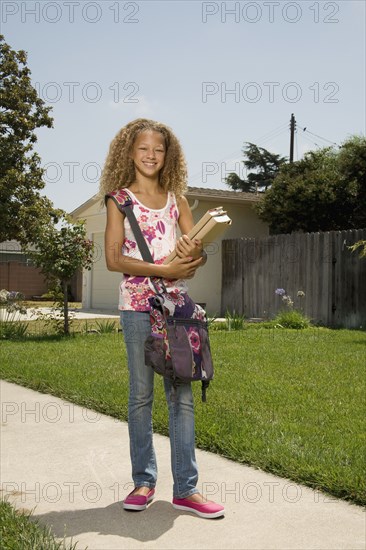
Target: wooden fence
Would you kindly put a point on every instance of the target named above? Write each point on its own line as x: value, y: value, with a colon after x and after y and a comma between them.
x: 320, y: 264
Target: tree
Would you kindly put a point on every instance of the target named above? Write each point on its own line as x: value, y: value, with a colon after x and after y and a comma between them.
x: 324, y: 191
x: 266, y: 165
x: 23, y: 210
x: 362, y: 246
x: 61, y: 253
x: 352, y: 166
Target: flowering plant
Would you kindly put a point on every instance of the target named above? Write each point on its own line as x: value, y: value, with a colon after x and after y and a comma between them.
x: 11, y: 303
x: 11, y: 307
x: 290, y: 317
x: 286, y: 298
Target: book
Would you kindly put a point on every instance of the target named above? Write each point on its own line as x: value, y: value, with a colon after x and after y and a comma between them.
x: 207, y: 229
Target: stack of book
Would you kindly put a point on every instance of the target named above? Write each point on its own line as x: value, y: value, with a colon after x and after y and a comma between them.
x: 209, y: 228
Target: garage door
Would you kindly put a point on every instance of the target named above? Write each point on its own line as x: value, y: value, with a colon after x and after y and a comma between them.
x: 104, y: 283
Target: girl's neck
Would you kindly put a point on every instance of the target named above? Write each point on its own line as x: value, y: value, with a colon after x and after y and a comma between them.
x: 146, y: 186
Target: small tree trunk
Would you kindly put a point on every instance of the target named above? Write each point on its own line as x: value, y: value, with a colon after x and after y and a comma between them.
x: 66, y: 309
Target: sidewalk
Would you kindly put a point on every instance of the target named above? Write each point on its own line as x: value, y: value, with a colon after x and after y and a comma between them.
x: 88, y: 314
x: 73, y: 466
x: 76, y: 313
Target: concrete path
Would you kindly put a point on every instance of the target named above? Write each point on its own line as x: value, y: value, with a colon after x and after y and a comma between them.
x: 72, y: 465
x: 31, y: 314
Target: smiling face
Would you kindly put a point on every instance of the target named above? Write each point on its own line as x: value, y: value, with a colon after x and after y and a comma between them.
x: 148, y: 154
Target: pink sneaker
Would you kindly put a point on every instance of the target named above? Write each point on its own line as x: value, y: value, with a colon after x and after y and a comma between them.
x: 205, y: 510
x: 138, y: 502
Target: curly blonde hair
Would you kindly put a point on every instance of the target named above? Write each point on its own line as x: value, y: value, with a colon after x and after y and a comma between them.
x: 119, y: 169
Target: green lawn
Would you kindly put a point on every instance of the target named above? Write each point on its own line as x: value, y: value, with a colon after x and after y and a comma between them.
x: 19, y: 532
x: 289, y: 402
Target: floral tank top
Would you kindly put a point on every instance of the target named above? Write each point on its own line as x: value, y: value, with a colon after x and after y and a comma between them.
x: 159, y: 229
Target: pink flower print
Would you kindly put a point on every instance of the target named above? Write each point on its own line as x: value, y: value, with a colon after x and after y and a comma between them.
x: 166, y: 348
x: 138, y: 303
x: 132, y: 283
x: 139, y: 297
x: 142, y: 291
x: 159, y: 319
x: 149, y: 233
x: 129, y: 245
x: 143, y: 218
x: 194, y: 340
x: 159, y: 245
x: 199, y: 313
x: 155, y: 329
x: 173, y: 212
x: 160, y: 226
x: 177, y: 298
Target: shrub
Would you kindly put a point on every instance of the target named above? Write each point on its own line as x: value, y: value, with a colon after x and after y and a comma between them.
x: 11, y: 307
x: 234, y: 321
x: 291, y: 319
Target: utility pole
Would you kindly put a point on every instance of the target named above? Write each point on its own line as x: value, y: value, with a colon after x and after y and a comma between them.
x: 292, y: 137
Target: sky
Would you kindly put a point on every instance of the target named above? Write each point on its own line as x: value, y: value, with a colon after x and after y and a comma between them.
x: 220, y: 74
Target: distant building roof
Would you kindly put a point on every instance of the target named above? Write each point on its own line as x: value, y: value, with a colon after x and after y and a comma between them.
x: 9, y: 249
x: 200, y: 192
x: 193, y: 193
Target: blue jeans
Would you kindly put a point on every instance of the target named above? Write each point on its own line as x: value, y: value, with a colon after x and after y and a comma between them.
x: 136, y: 328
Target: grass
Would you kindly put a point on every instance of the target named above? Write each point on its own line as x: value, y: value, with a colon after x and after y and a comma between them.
x: 40, y: 328
x: 291, y: 402
x: 18, y: 531
x: 49, y: 303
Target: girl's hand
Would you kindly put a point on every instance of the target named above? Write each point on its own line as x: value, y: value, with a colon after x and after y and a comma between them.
x: 186, y: 247
x: 181, y: 268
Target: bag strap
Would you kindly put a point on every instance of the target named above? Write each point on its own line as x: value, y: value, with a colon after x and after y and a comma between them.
x: 124, y: 203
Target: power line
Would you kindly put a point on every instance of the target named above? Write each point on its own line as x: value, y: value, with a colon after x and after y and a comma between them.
x: 320, y: 137
x: 309, y: 140
x: 268, y: 134
x: 273, y: 134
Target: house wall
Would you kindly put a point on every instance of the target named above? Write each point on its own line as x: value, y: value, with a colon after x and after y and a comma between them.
x: 100, y: 286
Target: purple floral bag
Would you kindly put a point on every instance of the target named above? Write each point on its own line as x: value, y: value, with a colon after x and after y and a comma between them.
x: 179, y: 347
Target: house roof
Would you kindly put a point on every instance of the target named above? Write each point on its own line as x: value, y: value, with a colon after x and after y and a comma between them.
x: 222, y: 194
x: 13, y: 247
x: 215, y: 195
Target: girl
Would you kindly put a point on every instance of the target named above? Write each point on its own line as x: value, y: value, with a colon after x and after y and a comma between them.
x: 146, y: 160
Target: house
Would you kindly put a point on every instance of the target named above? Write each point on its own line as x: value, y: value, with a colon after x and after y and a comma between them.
x: 100, y: 286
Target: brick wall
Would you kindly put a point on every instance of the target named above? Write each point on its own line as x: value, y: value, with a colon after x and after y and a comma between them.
x: 23, y: 278
x: 29, y: 280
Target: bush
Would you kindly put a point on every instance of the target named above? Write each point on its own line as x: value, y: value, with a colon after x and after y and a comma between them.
x: 291, y: 319
x: 234, y: 320
x: 11, y: 307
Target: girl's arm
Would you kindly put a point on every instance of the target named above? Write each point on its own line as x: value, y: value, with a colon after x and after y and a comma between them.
x: 183, y: 268
x: 185, y: 246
